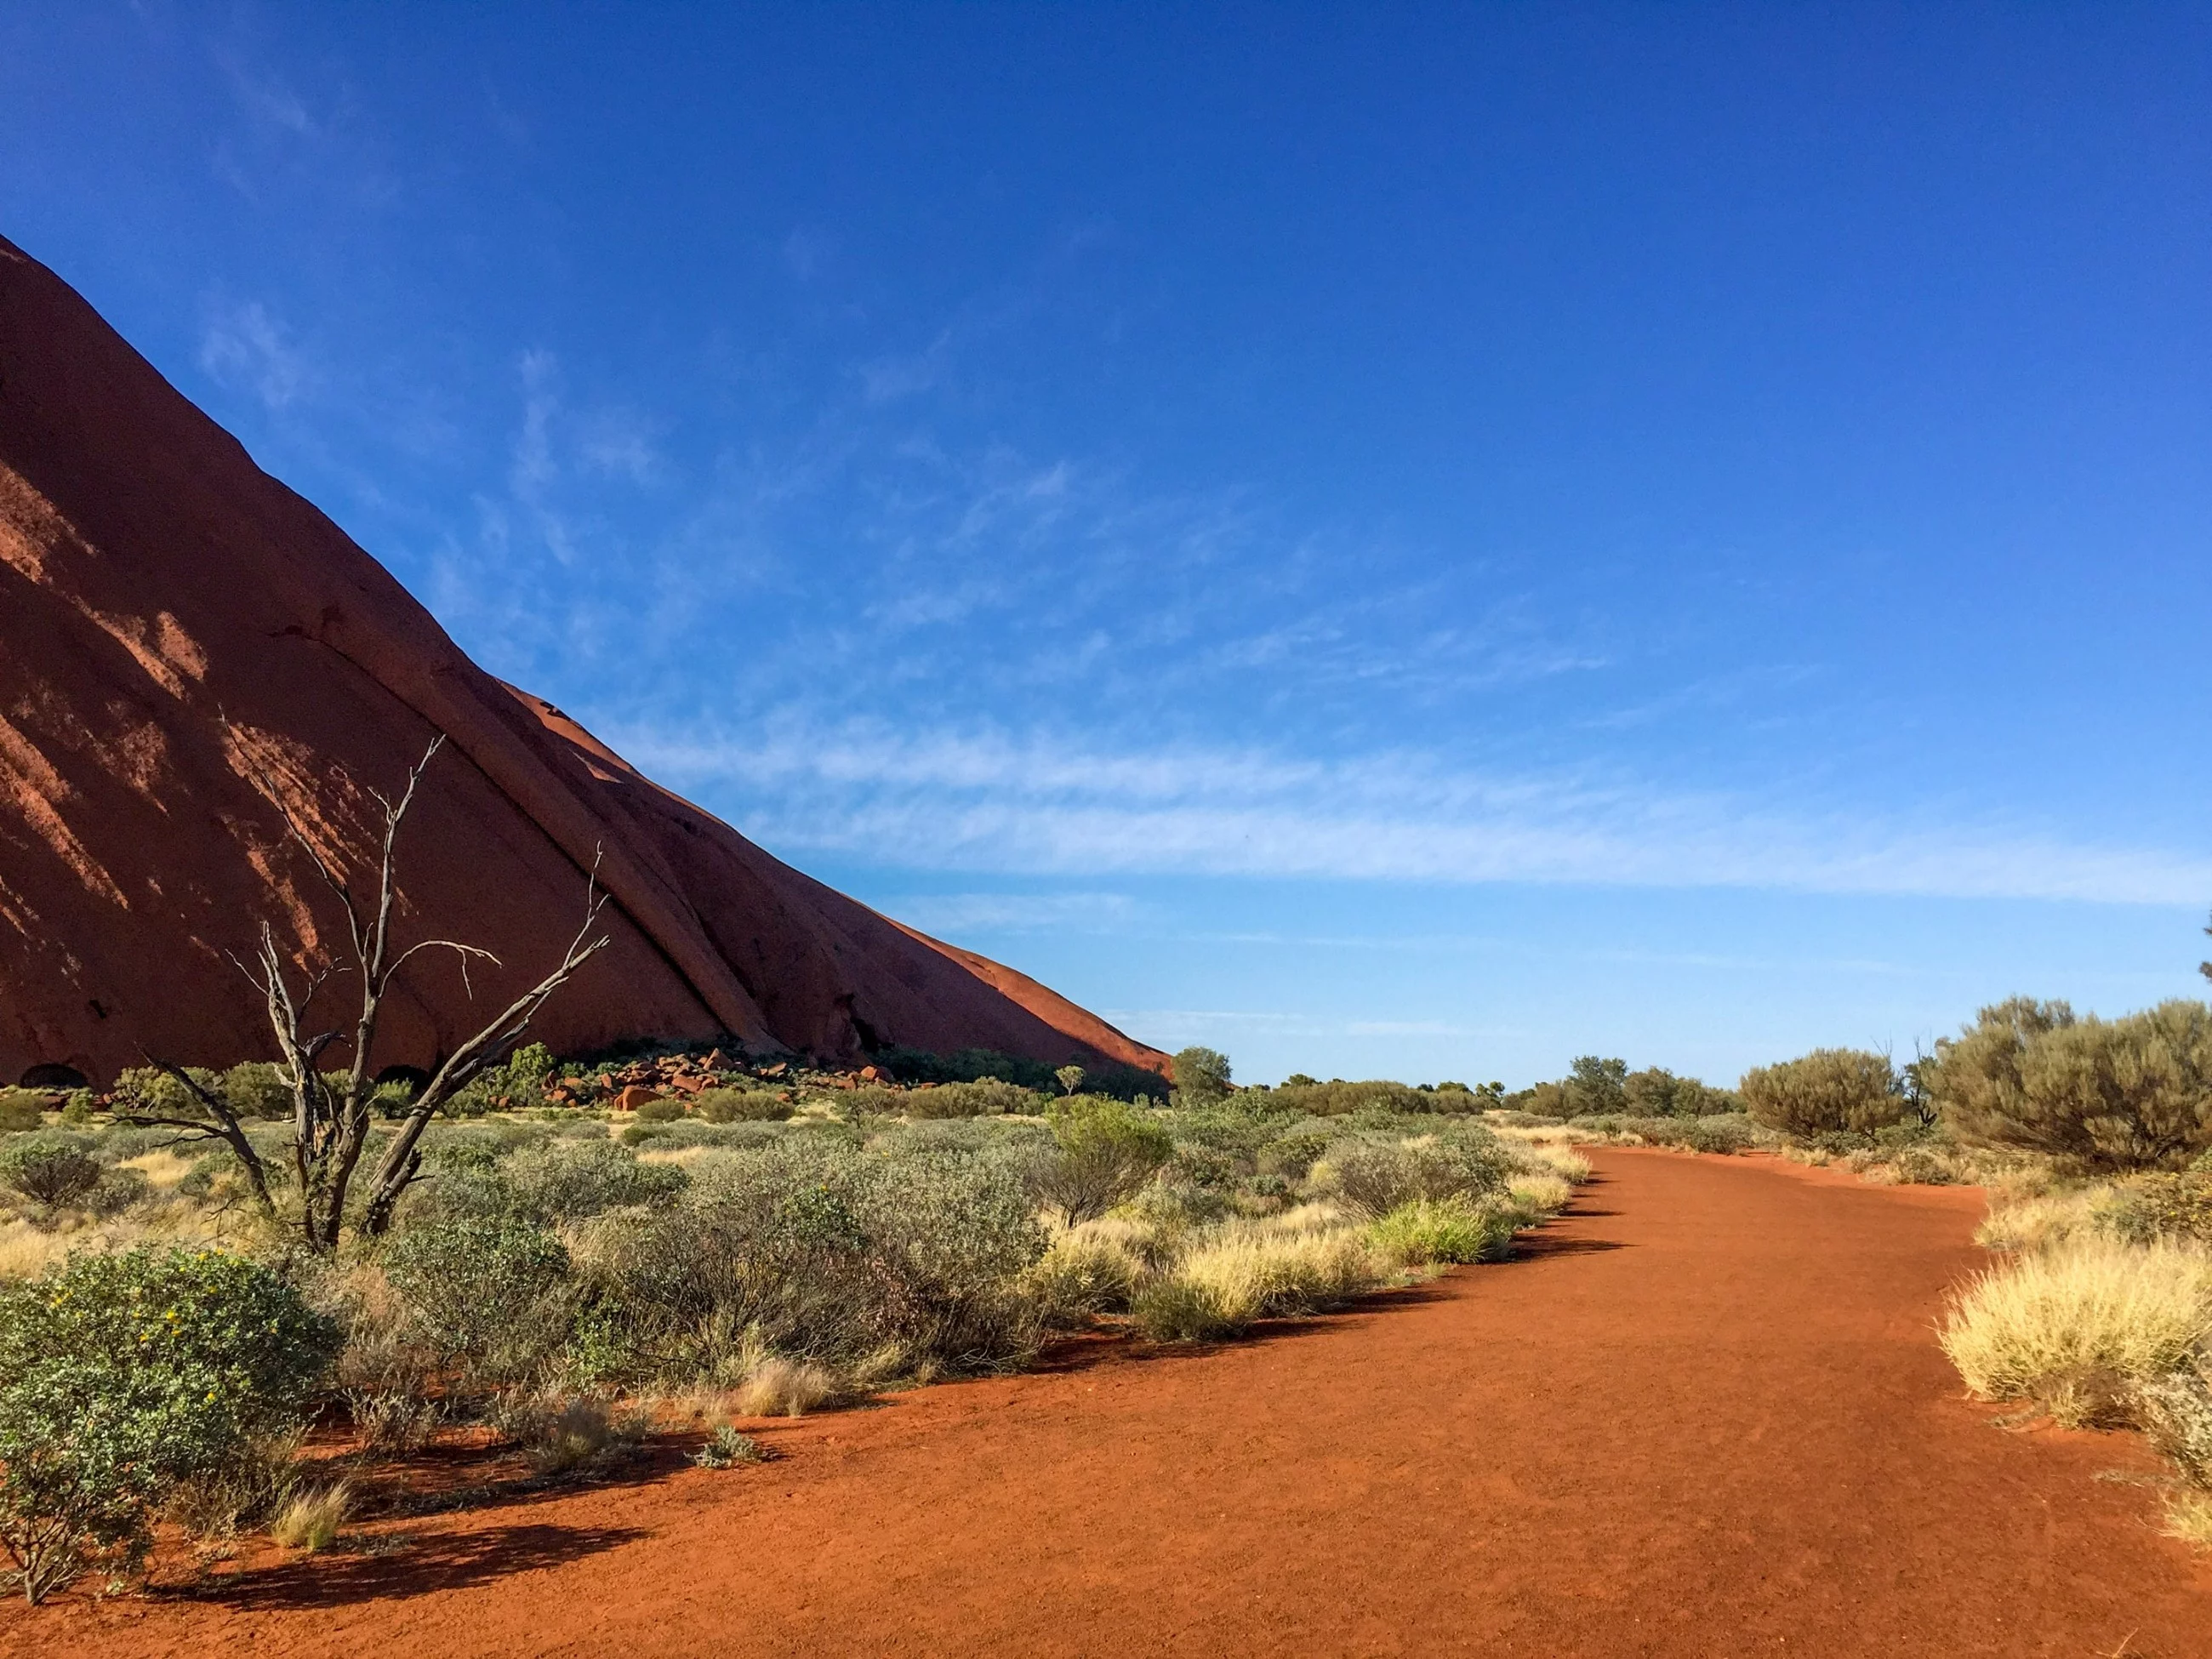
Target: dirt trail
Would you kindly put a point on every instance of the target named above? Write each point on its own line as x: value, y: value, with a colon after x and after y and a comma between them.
x: 1704, y: 1417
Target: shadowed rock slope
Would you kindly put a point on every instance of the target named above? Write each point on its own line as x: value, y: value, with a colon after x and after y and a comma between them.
x: 174, y: 621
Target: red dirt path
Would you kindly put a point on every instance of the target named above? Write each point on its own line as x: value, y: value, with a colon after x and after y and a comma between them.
x: 1705, y: 1416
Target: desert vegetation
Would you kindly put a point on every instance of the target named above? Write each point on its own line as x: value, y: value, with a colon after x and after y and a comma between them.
x: 589, y: 1253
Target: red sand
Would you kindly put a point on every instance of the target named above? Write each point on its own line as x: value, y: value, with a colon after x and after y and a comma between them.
x: 1706, y: 1417
x: 154, y: 582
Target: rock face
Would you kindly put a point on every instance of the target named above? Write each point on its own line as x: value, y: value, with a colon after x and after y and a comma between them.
x: 173, y: 622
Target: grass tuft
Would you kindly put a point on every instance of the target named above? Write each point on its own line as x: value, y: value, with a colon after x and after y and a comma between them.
x: 311, y: 1520
x: 785, y: 1388
x: 2088, y: 1306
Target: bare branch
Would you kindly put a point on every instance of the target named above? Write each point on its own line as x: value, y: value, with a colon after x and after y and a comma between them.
x: 226, y: 1128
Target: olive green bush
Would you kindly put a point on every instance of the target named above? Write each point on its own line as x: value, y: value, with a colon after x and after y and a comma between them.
x: 814, y: 1248
x: 986, y: 1097
x: 53, y: 1167
x: 1827, y: 1092
x: 1202, y: 1076
x: 2132, y: 1093
x: 483, y: 1293
x: 1373, y: 1177
x: 21, y: 1109
x: 1103, y: 1151
x: 121, y: 1377
x: 740, y: 1106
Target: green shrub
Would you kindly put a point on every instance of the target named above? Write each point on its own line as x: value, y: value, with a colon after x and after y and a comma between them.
x: 1451, y: 1230
x: 2156, y: 1206
x: 1103, y: 1151
x: 660, y: 1111
x: 739, y: 1106
x: 987, y: 1097
x: 1201, y: 1075
x: 570, y: 1182
x: 481, y: 1291
x: 1827, y: 1091
x: 2122, y: 1094
x: 21, y: 1109
x: 1337, y: 1098
x: 257, y: 1089
x: 53, y: 1168
x: 814, y: 1248
x: 1372, y: 1178
x: 121, y: 1377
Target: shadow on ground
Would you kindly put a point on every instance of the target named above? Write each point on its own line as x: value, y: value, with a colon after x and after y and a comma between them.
x: 416, y: 1567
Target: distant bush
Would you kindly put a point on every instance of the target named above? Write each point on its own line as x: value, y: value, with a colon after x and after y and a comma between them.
x: 570, y: 1182
x: 1103, y: 1151
x: 740, y: 1106
x: 51, y: 1168
x: 1438, y: 1231
x: 660, y: 1111
x: 1656, y: 1092
x: 1337, y: 1098
x: 123, y: 1375
x: 1720, y: 1132
x: 1201, y: 1075
x: 2122, y: 1094
x: 984, y: 1099
x: 1827, y: 1091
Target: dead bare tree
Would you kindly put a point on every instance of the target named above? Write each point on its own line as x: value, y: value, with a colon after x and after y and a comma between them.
x: 332, y: 1115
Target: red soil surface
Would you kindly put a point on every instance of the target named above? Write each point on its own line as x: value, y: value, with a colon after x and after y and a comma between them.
x: 1705, y: 1416
x: 175, y: 620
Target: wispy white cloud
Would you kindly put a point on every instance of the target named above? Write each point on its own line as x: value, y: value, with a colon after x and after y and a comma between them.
x: 1046, y: 803
x: 242, y: 347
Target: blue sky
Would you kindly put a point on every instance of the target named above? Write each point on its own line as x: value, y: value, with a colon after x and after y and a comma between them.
x: 1416, y: 541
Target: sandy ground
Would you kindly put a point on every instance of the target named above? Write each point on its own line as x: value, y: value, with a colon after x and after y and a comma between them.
x: 1705, y: 1415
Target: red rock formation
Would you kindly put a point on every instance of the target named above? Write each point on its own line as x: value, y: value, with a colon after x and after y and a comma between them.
x: 155, y: 584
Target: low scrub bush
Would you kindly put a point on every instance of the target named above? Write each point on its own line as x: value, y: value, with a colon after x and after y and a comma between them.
x: 121, y: 1377
x: 1341, y: 1099
x: 53, y: 1168
x: 1829, y: 1090
x: 21, y: 1109
x: 986, y: 1097
x: 660, y: 1111
x: 2087, y: 1308
x: 1103, y: 1151
x: 824, y: 1251
x: 2176, y: 1412
x: 1372, y: 1178
x: 481, y: 1292
x: 2148, y: 1208
x: 1426, y: 1232
x: 2122, y: 1094
x: 740, y: 1106
x: 725, y: 1449
x: 559, y: 1432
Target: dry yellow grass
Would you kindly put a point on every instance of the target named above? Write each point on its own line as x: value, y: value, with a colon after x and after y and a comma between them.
x: 311, y: 1521
x: 2189, y: 1516
x: 1251, y: 1270
x: 2087, y: 1305
x: 2039, y: 1220
x: 785, y: 1388
x: 1540, y: 1194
